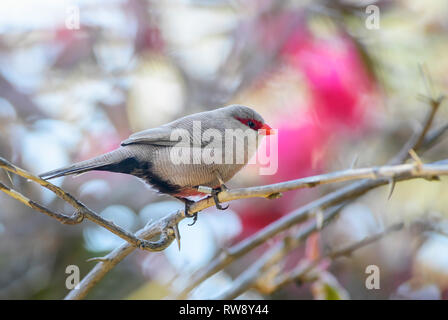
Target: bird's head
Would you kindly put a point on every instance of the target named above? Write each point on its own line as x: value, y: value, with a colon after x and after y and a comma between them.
x: 245, y: 117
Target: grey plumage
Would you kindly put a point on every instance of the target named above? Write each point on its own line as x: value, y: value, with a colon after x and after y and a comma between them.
x: 146, y: 154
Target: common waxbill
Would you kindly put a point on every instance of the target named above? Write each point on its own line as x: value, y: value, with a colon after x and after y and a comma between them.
x: 148, y: 154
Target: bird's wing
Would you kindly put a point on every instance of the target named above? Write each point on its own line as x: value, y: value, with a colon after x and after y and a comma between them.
x: 160, y: 136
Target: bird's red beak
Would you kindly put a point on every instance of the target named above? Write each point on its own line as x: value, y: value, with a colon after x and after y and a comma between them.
x: 267, y: 130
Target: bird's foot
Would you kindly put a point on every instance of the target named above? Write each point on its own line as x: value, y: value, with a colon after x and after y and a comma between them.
x: 215, y: 193
x: 188, y: 203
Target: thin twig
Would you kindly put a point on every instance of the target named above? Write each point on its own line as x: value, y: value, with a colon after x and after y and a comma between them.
x: 299, y: 274
x: 81, y: 210
x: 419, y: 139
x: 252, y: 276
x: 248, y: 278
x: 109, y: 261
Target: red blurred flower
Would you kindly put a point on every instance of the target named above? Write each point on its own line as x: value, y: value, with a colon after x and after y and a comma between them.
x: 339, y: 86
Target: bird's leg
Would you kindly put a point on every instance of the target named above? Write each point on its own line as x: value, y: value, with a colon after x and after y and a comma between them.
x: 216, y: 191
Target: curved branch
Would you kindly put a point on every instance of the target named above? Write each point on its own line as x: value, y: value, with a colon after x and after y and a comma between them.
x: 108, y: 262
x: 81, y: 210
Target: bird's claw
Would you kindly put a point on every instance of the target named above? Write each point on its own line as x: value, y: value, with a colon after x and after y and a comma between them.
x: 195, y: 218
x: 215, y: 193
x: 188, y: 203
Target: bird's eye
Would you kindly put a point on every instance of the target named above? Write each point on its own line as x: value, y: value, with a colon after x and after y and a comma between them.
x: 251, y: 123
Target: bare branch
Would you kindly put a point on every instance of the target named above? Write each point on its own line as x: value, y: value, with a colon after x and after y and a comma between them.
x: 248, y: 278
x: 108, y: 262
x: 76, y: 218
x: 254, y: 275
x: 300, y: 273
x: 419, y: 139
x: 81, y: 210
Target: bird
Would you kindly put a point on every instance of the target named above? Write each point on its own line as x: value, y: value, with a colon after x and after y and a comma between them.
x: 157, y: 156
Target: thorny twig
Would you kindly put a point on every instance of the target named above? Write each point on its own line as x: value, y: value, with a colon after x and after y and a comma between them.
x: 301, y: 272
x: 81, y: 210
x: 270, y: 258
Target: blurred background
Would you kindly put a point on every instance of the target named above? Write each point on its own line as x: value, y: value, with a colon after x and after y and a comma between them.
x: 77, y: 77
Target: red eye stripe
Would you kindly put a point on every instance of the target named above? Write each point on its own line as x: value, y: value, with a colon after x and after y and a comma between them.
x: 257, y: 124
